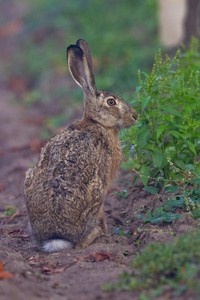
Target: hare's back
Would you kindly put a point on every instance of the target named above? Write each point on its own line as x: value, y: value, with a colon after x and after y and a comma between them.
x: 75, y: 156
x: 67, y: 185
x: 70, y: 160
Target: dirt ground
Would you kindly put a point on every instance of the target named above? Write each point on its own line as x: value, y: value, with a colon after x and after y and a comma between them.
x: 70, y: 274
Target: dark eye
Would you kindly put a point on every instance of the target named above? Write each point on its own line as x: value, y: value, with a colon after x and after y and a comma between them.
x: 111, y: 102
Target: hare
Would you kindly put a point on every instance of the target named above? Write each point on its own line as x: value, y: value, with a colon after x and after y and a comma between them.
x: 65, y: 190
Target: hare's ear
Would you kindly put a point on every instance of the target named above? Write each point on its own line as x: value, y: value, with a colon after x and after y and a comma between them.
x: 84, y: 46
x: 80, y: 67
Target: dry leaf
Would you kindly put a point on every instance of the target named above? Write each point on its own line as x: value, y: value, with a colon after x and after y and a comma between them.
x: 2, y: 186
x: 1, y: 267
x: 49, y: 271
x: 100, y: 256
x: 35, y: 258
x: 4, y: 274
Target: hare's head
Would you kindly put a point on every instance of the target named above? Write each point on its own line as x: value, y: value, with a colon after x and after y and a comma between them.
x: 102, y: 107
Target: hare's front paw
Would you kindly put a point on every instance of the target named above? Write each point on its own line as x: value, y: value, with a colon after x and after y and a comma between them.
x: 107, y: 234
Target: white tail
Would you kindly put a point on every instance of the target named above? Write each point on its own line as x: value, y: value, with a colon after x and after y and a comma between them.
x: 56, y: 245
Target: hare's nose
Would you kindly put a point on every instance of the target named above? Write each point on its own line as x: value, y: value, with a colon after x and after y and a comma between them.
x: 135, y: 115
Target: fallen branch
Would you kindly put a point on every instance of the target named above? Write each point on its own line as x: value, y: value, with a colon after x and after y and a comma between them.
x: 17, y: 214
x: 48, y: 271
x: 14, y: 149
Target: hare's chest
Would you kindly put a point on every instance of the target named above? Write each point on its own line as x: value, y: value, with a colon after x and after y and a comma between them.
x: 109, y: 155
x: 114, y: 160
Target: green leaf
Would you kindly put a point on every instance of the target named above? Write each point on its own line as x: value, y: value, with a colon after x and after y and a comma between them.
x: 134, y: 180
x: 158, y: 158
x: 138, y: 88
x: 140, y: 216
x: 174, y: 133
x: 160, y: 130
x: 10, y: 210
x: 152, y: 190
x: 164, y: 162
x: 177, y: 203
x: 160, y: 215
x: 171, y: 110
x: 145, y: 74
x: 142, y: 138
x: 180, y: 164
x: 196, y: 213
x: 144, y: 175
x: 195, y: 180
x: 145, y: 102
x: 191, y: 146
x: 123, y: 194
x: 171, y: 189
x: 189, y: 167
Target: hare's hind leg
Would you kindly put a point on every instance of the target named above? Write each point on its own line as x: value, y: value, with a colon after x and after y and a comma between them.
x: 87, y: 240
x: 102, y: 223
x: 98, y: 231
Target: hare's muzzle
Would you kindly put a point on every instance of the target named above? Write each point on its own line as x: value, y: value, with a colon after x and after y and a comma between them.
x: 135, y: 115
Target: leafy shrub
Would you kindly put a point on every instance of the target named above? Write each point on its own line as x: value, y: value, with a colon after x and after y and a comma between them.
x: 160, y: 215
x: 167, y: 136
x: 176, y: 264
x: 187, y: 200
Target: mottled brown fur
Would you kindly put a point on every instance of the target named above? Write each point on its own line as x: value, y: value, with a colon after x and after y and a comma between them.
x: 65, y: 190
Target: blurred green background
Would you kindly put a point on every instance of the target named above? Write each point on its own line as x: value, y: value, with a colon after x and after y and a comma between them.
x: 122, y: 36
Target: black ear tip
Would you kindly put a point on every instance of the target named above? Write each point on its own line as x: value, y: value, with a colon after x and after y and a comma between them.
x: 75, y: 51
x: 78, y: 42
x: 68, y: 50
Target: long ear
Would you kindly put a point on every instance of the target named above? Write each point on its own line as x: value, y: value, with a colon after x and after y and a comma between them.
x: 80, y: 69
x: 84, y: 46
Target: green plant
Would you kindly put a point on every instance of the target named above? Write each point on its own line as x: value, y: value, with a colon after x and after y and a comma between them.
x: 160, y: 215
x: 188, y: 200
x: 167, y: 136
x: 176, y: 264
x: 119, y: 232
x: 9, y: 210
x: 124, y: 194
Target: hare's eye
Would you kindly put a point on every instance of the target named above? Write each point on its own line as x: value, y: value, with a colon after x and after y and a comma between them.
x: 111, y: 102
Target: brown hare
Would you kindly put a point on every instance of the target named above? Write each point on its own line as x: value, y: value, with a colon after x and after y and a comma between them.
x: 65, y: 190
